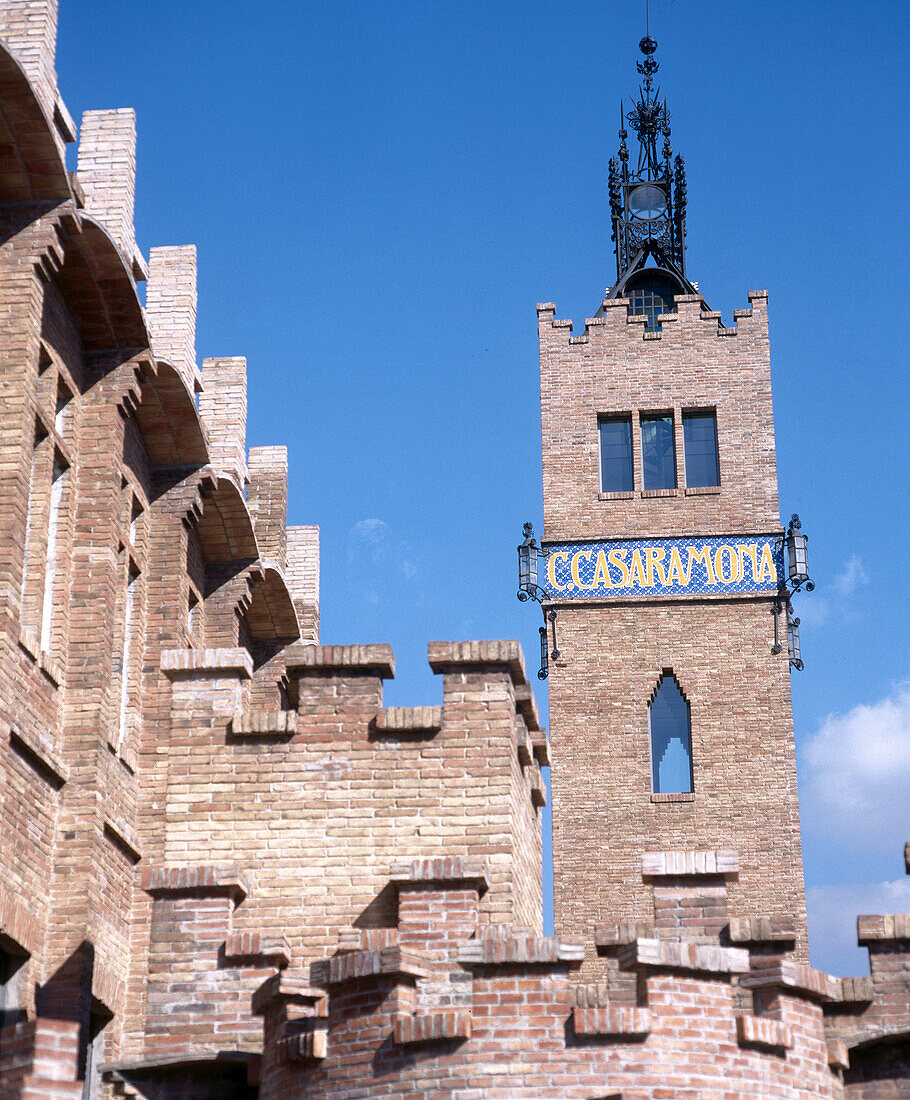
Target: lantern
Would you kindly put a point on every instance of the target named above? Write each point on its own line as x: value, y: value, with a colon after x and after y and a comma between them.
x: 527, y: 564
x: 797, y: 553
x: 793, y: 643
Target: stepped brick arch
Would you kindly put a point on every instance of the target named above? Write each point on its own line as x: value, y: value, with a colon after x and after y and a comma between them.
x: 31, y: 167
x: 169, y: 420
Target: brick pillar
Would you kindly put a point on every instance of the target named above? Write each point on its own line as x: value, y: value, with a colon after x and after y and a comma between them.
x: 170, y: 306
x: 39, y: 1061
x: 222, y: 406
x: 302, y: 570
x: 267, y: 499
x: 192, y: 915
x: 690, y: 893
x: 439, y: 908
x: 480, y: 681
x: 107, y: 172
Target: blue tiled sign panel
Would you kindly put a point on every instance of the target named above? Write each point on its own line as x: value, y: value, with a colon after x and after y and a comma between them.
x: 662, y: 567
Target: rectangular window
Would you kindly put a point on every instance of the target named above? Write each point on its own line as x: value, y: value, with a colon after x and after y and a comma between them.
x: 658, y: 452
x: 700, y: 434
x: 616, y: 455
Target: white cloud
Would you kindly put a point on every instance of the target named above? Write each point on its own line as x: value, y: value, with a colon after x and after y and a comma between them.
x: 816, y: 609
x: 832, y: 921
x: 855, y: 775
x: 381, y: 566
x: 368, y: 537
x: 852, y: 576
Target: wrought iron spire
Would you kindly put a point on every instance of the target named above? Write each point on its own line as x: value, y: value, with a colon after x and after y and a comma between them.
x: 648, y: 205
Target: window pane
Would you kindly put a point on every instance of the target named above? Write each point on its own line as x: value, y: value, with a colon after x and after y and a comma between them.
x: 700, y: 434
x: 671, y: 742
x: 658, y: 454
x: 616, y: 456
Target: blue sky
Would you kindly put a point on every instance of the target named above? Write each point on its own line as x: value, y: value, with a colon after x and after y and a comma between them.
x: 380, y: 193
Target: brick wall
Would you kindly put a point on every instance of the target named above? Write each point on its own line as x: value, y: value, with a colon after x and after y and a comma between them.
x: 519, y: 1022
x: 719, y: 650
x: 215, y: 840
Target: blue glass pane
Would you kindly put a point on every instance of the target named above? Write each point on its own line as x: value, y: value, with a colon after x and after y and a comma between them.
x: 671, y: 742
x: 658, y: 453
x: 616, y: 456
x: 700, y: 434
x: 650, y: 300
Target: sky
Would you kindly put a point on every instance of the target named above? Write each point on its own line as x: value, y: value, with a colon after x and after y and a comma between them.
x: 380, y: 193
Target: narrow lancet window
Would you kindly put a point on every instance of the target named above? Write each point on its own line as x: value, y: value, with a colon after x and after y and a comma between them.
x: 671, y: 739
x: 127, y: 659
x: 50, y: 570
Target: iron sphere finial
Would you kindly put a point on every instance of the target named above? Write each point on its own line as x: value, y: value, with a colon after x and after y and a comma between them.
x: 647, y: 45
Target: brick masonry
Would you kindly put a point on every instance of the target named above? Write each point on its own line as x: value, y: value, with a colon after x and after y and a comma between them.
x: 227, y: 870
x: 613, y: 654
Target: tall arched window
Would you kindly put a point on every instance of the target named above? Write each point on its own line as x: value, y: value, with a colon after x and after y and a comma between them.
x: 671, y: 738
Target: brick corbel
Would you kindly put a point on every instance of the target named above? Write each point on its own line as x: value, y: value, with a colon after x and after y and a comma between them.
x: 302, y: 658
x: 793, y: 977
x: 888, y: 927
x: 271, y: 950
x: 608, y: 937
x: 432, y: 1027
x: 408, y: 720
x: 763, y: 1032
x: 288, y: 989
x: 646, y: 954
x: 194, y: 663
x: 521, y: 950
x: 204, y: 879
x: 399, y: 963
x: 619, y: 1021
x: 452, y: 871
x: 688, y: 864
x: 762, y: 930
x: 455, y: 656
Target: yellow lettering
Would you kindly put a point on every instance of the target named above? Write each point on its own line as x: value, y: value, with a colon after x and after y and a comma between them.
x: 704, y: 556
x: 551, y: 569
x: 601, y: 572
x: 655, y: 559
x: 676, y: 574
x: 637, y: 570
x: 766, y: 570
x: 579, y: 554
x: 616, y: 557
x: 748, y: 550
x: 734, y: 564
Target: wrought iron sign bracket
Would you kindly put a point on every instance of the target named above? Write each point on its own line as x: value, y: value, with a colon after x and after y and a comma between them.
x: 529, y: 553
x: 795, y: 546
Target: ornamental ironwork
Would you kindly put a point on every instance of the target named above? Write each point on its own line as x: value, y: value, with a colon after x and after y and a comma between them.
x: 648, y: 202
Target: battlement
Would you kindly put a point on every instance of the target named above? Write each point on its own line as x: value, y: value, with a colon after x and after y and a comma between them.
x: 496, y: 1008
x: 107, y: 175
x: 617, y: 324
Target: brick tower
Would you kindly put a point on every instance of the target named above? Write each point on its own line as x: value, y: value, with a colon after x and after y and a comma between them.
x: 670, y: 710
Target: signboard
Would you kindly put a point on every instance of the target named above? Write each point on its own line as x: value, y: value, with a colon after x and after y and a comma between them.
x: 662, y: 567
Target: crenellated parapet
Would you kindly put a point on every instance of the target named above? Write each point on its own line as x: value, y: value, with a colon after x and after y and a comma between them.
x: 620, y: 367
x: 869, y: 1025
x: 450, y: 1004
